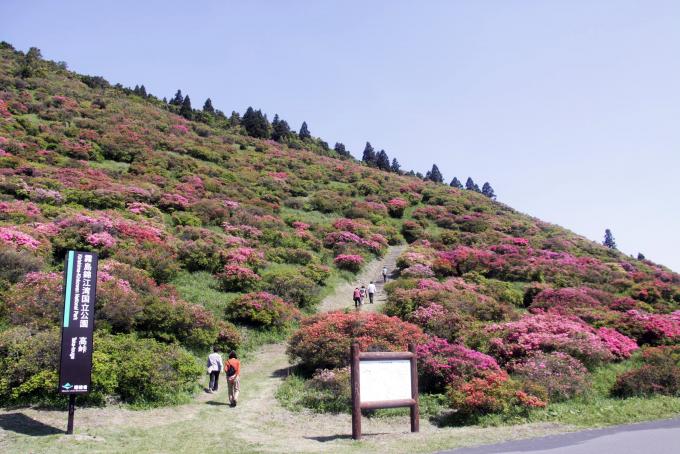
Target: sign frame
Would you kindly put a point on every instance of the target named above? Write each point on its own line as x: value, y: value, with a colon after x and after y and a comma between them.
x: 356, y: 357
x: 77, y: 327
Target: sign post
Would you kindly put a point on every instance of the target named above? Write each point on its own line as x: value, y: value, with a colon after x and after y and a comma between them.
x: 75, y: 365
x: 383, y: 380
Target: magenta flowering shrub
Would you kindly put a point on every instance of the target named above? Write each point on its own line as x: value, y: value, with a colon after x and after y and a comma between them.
x: 17, y: 238
x: 262, y: 309
x: 551, y: 332
x: 349, y: 262
x: 647, y: 328
x: 441, y: 363
x: 562, y: 376
x: 244, y: 256
x: 396, y: 207
x: 102, y: 239
x: 235, y: 278
x: 417, y: 271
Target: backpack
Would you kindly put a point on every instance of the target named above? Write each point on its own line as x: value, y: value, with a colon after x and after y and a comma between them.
x: 231, y: 371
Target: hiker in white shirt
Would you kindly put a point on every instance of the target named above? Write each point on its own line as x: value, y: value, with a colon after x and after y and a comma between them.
x: 384, y: 273
x: 371, y: 292
x: 215, y: 365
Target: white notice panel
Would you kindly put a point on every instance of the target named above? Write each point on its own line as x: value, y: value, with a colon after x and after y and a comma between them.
x: 382, y: 380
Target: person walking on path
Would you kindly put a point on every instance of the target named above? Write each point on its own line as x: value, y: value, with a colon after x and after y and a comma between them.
x: 215, y: 365
x: 384, y: 273
x: 371, y: 292
x: 233, y: 369
x: 357, y: 297
x: 363, y: 293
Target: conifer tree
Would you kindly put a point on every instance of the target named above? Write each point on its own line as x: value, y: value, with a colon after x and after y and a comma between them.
x: 304, y: 131
x: 280, y: 129
x: 234, y: 119
x: 434, y: 175
x: 208, y: 107
x: 470, y: 185
x: 31, y: 66
x: 142, y: 91
x: 395, y: 167
x: 455, y: 183
x: 178, y: 99
x: 185, y: 110
x: 369, y: 155
x: 411, y: 173
x: 382, y: 161
x: 340, y: 149
x: 256, y: 123
x: 609, y: 239
x: 487, y: 190
x: 420, y: 175
x: 641, y: 256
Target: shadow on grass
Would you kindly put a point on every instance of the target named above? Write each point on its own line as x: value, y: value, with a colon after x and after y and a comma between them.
x: 20, y: 423
x: 327, y: 438
x: 216, y: 403
x: 283, y: 372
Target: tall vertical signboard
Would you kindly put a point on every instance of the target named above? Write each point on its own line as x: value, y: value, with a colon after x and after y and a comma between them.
x: 80, y: 289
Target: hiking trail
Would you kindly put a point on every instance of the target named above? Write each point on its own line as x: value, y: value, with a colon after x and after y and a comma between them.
x: 259, y: 423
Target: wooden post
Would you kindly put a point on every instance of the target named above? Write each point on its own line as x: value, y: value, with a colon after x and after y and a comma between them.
x: 415, y: 413
x: 356, y: 394
x: 71, y: 413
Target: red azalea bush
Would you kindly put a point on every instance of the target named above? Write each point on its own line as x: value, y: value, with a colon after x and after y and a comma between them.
x: 551, y: 332
x: 236, y: 278
x: 441, y: 363
x: 262, y: 309
x: 561, y: 375
x: 350, y: 262
x: 494, y: 393
x: 324, y: 340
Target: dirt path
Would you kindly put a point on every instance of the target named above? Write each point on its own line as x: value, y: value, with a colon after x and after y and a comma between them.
x: 341, y: 298
x: 257, y: 424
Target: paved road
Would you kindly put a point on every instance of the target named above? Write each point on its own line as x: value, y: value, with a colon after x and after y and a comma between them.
x: 656, y: 437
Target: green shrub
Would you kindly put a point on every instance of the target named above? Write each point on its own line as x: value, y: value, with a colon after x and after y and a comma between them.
x: 292, y: 286
x: 659, y: 374
x: 14, y: 265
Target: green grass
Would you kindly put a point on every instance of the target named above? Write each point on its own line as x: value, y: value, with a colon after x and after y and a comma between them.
x: 201, y: 288
x: 115, y: 166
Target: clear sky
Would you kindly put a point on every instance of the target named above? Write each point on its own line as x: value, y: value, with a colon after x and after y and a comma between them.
x: 569, y: 108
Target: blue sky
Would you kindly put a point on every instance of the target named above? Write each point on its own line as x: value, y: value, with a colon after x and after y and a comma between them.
x: 569, y: 108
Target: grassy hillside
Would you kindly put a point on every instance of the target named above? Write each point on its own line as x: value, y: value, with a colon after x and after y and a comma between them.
x: 211, y: 237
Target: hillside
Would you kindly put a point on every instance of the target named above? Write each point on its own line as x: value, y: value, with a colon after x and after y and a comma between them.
x: 209, y: 236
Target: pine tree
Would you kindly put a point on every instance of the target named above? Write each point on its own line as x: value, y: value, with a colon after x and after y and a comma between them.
x: 609, y: 239
x: 340, y: 149
x: 208, y: 107
x: 641, y: 256
x: 256, y: 123
x: 185, y: 110
x: 470, y: 184
x: 455, y: 183
x: 434, y: 175
x: 31, y: 66
x: 280, y: 129
x: 369, y: 155
x: 411, y: 173
x: 304, y: 131
x: 142, y: 91
x: 395, y: 167
x: 234, y: 119
x: 178, y: 99
x: 487, y: 190
x: 419, y: 175
x: 382, y: 161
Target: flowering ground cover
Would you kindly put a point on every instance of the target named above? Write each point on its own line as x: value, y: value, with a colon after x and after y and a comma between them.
x: 209, y: 236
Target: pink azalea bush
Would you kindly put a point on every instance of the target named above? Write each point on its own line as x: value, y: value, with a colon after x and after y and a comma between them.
x: 18, y: 239
x: 551, y: 332
x: 561, y: 375
x: 262, y: 309
x: 350, y: 262
x: 237, y: 278
x: 441, y: 363
x: 396, y: 207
